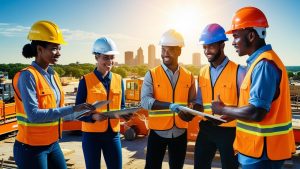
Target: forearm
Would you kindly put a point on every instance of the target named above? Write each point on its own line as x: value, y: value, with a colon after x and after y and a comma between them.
x: 158, y: 105
x: 198, y: 107
x: 81, y: 98
x: 247, y: 113
x: 36, y: 115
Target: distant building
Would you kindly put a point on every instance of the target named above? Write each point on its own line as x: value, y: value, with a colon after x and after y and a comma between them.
x: 151, y: 56
x: 196, y: 59
x: 139, y: 60
x: 129, y: 60
x: 157, y: 62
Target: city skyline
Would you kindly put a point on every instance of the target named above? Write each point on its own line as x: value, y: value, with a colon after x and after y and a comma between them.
x: 133, y: 24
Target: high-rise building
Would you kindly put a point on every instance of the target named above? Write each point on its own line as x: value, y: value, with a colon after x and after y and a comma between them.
x: 151, y: 56
x: 196, y: 59
x: 157, y: 62
x: 129, y: 58
x: 139, y: 57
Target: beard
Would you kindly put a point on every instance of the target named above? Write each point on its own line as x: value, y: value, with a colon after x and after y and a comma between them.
x: 215, y: 57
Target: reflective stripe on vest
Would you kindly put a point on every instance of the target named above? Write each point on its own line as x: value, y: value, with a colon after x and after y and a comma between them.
x: 163, y: 91
x: 97, y: 92
x: 275, y: 128
x: 264, y: 130
x: 38, y: 134
x: 225, y: 86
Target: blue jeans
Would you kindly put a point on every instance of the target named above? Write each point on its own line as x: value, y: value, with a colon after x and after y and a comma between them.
x: 265, y: 164
x: 156, y: 150
x: 40, y: 157
x: 109, y: 143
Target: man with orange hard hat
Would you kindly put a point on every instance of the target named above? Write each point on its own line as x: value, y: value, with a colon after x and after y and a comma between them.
x: 264, y: 135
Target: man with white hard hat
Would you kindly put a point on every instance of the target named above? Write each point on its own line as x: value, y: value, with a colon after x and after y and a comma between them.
x: 165, y: 88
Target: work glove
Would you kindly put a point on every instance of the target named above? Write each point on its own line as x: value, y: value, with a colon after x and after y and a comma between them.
x: 174, y: 107
x: 185, y: 116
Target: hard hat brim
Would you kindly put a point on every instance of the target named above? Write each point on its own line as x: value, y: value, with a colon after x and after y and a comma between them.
x: 202, y: 42
x: 229, y: 32
x: 111, y: 53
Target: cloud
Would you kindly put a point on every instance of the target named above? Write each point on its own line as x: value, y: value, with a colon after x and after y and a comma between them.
x: 14, y: 30
x: 78, y: 35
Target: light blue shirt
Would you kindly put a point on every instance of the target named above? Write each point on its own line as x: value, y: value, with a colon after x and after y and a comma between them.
x: 148, y: 100
x: 216, y: 71
x: 27, y: 88
x: 265, y: 81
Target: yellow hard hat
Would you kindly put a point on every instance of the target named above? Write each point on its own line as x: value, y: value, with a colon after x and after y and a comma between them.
x: 46, y: 31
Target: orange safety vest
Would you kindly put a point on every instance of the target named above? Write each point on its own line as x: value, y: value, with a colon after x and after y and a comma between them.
x: 225, y: 86
x: 38, y: 134
x: 163, y: 91
x: 275, y: 128
x: 97, y: 92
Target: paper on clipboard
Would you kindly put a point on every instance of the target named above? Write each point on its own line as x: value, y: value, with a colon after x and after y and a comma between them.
x: 198, y: 113
x: 96, y: 104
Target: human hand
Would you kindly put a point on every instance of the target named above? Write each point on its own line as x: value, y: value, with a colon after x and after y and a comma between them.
x: 174, y: 107
x: 185, y: 116
x: 82, y: 107
x: 127, y: 117
x: 227, y: 118
x: 217, y: 106
x: 98, y: 117
x: 214, y: 121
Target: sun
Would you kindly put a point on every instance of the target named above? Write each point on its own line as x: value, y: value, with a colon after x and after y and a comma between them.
x: 184, y: 19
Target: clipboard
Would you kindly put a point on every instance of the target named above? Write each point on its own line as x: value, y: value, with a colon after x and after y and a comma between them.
x: 96, y: 104
x: 198, y: 113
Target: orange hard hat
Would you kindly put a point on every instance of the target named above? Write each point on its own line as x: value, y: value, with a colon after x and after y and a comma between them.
x: 248, y: 17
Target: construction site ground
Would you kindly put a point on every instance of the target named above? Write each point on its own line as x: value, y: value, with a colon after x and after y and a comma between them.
x: 133, y: 153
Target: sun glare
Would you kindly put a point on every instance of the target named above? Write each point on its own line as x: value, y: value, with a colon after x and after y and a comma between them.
x: 184, y: 19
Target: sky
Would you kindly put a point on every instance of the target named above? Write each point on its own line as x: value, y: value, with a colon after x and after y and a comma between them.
x: 138, y: 23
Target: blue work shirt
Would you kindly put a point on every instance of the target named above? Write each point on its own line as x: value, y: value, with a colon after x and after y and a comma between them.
x: 265, y: 81
x: 27, y: 88
x: 215, y: 73
x: 82, y: 92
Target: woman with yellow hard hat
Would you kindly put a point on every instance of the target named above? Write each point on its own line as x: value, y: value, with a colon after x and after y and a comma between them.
x: 39, y: 101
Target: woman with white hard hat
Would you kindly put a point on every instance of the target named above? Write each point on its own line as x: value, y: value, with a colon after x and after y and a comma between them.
x: 101, y: 134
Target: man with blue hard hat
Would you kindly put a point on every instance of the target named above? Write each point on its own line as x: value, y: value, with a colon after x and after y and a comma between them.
x: 220, y: 78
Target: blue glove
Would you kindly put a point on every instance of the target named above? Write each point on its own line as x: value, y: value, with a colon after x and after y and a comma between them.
x: 174, y: 107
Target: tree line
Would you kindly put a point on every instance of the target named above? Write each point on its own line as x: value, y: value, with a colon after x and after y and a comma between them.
x: 78, y: 70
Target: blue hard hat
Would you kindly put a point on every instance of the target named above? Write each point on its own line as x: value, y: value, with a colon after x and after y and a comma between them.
x: 212, y: 33
x: 105, y: 46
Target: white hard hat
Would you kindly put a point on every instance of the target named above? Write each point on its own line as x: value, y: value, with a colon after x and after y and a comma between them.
x: 171, y: 38
x: 105, y: 46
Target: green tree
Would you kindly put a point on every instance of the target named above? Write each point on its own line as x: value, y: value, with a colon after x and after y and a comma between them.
x: 194, y: 69
x: 120, y: 70
x: 290, y: 74
x: 142, y: 70
x: 59, y: 70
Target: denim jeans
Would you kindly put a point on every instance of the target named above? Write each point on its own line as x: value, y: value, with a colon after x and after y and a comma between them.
x: 109, y: 143
x: 41, y: 157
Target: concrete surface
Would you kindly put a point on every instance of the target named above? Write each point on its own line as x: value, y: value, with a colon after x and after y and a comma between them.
x: 133, y: 153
